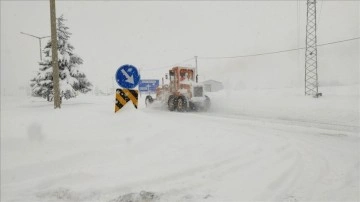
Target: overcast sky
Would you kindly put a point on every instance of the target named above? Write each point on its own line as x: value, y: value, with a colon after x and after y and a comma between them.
x: 154, y: 35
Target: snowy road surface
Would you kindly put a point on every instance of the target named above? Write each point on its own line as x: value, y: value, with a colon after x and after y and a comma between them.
x: 85, y: 152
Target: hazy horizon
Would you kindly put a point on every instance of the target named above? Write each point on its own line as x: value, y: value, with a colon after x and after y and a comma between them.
x: 153, y: 35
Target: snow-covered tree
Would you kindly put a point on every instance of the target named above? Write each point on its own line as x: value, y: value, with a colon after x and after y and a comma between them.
x: 72, y: 80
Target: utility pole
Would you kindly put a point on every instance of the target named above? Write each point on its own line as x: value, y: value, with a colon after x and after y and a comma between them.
x: 196, y: 69
x: 311, y: 74
x: 38, y: 37
x: 54, y: 55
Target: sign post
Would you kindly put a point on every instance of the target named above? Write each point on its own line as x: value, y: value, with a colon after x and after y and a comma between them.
x: 127, y: 76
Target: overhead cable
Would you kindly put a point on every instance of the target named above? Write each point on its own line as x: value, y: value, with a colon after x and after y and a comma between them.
x: 275, y: 52
x: 167, y: 66
x: 250, y: 55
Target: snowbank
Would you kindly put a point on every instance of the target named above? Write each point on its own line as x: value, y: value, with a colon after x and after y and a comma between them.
x: 273, y: 145
x: 338, y: 105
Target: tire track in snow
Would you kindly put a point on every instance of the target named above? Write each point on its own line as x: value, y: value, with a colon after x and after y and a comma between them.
x: 314, y: 146
x: 286, y: 121
x: 319, y: 163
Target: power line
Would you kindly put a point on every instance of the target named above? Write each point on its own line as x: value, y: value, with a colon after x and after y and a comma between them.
x: 341, y: 41
x: 250, y: 55
x: 275, y: 52
x: 167, y: 66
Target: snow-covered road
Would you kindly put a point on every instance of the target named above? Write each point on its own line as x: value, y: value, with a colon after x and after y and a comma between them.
x: 84, y: 152
x: 237, y: 158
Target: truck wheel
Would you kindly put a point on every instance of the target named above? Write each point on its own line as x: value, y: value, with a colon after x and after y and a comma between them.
x: 181, y: 104
x: 172, y: 102
x: 148, y: 100
x: 192, y: 106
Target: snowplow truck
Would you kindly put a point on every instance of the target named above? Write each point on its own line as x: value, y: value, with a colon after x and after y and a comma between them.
x: 182, y: 93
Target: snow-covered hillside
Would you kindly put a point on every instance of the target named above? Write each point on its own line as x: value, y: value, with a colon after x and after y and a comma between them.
x: 253, y: 145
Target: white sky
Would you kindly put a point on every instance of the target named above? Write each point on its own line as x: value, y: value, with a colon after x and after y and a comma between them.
x: 153, y: 34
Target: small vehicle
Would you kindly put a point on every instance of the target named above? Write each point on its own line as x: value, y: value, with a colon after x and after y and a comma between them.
x: 183, y: 93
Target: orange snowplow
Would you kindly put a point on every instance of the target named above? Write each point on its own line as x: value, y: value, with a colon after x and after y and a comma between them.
x: 182, y: 93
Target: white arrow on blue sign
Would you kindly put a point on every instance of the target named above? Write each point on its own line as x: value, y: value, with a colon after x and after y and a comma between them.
x: 127, y: 76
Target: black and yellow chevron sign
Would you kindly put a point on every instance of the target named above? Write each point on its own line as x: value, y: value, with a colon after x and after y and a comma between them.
x: 125, y: 95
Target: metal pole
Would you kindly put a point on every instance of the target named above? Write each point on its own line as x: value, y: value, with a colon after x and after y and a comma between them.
x: 311, y: 74
x: 40, y: 50
x: 196, y: 68
x: 54, y: 55
x: 39, y: 41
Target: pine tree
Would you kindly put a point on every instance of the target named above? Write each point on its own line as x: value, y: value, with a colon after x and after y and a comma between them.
x: 72, y: 80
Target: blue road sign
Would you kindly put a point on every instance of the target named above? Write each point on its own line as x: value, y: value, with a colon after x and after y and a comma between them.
x: 127, y: 76
x: 148, y: 85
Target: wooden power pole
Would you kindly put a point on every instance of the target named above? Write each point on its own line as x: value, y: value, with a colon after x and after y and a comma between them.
x: 54, y: 55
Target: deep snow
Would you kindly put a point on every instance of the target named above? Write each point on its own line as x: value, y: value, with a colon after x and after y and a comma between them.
x: 253, y: 145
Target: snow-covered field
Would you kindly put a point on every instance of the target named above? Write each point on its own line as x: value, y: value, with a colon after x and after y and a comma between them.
x: 253, y: 145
